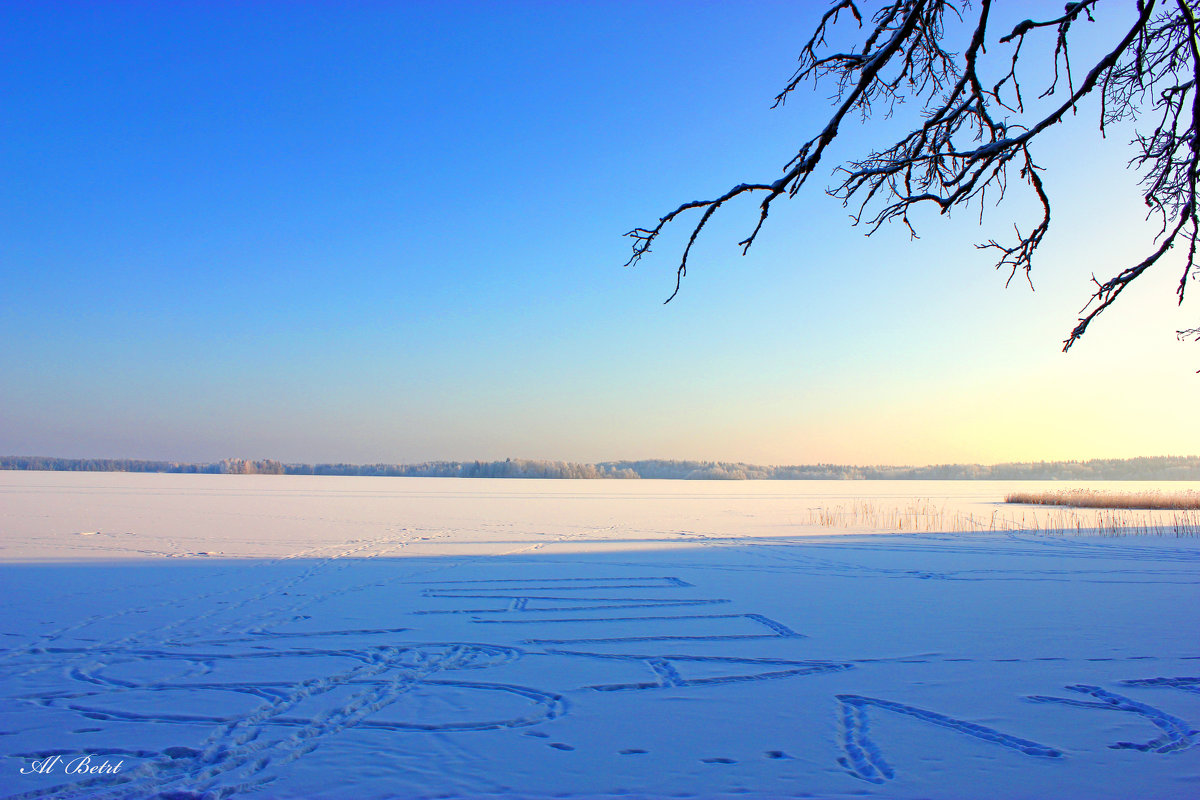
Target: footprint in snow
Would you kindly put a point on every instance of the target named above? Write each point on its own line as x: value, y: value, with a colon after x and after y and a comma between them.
x: 181, y: 752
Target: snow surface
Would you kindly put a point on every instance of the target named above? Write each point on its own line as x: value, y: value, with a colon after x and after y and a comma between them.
x: 320, y: 637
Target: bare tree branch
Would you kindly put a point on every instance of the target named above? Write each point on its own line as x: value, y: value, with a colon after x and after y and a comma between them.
x: 973, y: 133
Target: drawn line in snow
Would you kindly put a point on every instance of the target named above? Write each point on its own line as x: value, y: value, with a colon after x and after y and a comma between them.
x: 241, y: 753
x: 778, y: 630
x: 609, y: 619
x: 259, y: 635
x: 667, y: 579
x: 521, y: 605
x: 934, y: 658
x: 543, y: 588
x: 456, y: 595
x: 618, y: 639
x: 525, y: 595
x: 551, y: 706
x: 1187, y: 684
x: 668, y: 674
x: 1177, y: 735
x: 522, y: 589
x: 864, y: 759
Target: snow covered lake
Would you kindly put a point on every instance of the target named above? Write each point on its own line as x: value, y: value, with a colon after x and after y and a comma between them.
x: 191, y: 636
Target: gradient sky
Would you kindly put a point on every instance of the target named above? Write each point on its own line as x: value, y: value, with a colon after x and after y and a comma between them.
x: 393, y: 232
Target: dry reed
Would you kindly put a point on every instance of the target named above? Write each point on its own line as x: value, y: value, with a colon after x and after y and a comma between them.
x: 1090, y: 498
x: 923, y: 516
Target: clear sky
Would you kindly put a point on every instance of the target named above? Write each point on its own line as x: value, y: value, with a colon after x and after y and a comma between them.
x: 393, y: 232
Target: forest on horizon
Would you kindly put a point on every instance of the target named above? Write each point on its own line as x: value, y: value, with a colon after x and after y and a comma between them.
x: 1158, y: 468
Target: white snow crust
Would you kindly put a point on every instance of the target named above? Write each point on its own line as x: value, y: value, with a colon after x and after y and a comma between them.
x: 322, y: 637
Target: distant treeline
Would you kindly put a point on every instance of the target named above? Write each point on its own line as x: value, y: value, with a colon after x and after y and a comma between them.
x: 509, y: 468
x: 230, y: 466
x: 1159, y: 468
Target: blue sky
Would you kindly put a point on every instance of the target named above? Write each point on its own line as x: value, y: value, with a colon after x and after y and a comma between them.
x: 392, y: 232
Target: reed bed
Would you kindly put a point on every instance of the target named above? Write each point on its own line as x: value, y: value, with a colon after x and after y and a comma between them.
x: 924, y: 516
x: 1091, y: 498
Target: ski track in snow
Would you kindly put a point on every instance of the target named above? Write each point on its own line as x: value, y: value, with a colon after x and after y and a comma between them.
x: 524, y: 645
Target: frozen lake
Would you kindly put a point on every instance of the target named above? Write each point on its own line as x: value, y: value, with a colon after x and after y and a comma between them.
x: 306, y: 637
